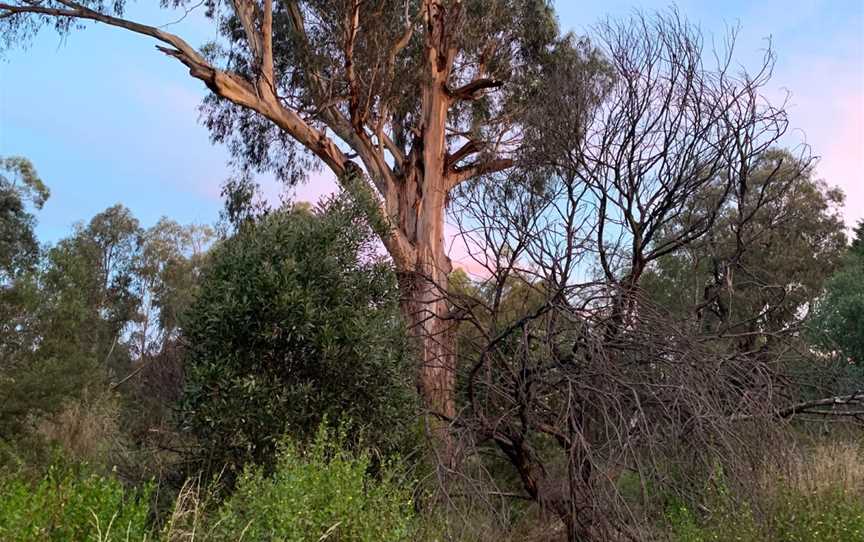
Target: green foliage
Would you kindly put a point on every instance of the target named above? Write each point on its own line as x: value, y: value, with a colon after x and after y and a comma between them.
x: 87, y: 288
x: 765, y: 258
x: 317, y: 493
x: 166, y: 266
x: 36, y: 390
x: 728, y: 521
x: 858, y: 239
x: 296, y: 319
x: 79, y: 303
x: 21, y: 192
x: 514, y: 42
x: 102, y: 305
x: 70, y: 505
x: 830, y: 515
x: 838, y: 320
x: 792, y: 516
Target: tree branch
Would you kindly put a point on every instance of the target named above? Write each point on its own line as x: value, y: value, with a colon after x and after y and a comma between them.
x: 77, y: 11
x: 469, y: 91
x: 246, y: 12
x: 462, y: 174
x: 856, y: 398
x: 267, y: 45
x: 471, y: 147
x: 346, y: 129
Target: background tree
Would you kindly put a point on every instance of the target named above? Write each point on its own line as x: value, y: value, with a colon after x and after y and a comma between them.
x: 838, y: 322
x: 82, y: 303
x: 88, y: 283
x: 296, y: 321
x: 764, y: 260
x: 21, y: 193
x: 93, y: 342
x: 166, y: 277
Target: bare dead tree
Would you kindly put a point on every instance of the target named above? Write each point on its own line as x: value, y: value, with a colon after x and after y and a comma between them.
x: 573, y: 375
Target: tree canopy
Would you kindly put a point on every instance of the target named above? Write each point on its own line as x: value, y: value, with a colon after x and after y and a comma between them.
x: 838, y: 323
x: 21, y: 193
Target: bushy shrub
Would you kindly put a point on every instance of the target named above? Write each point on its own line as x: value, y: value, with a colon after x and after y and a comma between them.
x: 296, y: 319
x: 320, y: 492
x: 71, y: 505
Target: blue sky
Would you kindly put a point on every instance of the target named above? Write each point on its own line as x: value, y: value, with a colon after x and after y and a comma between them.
x: 106, y: 118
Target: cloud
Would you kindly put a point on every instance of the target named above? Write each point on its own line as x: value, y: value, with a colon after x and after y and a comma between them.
x: 827, y: 111
x: 842, y: 160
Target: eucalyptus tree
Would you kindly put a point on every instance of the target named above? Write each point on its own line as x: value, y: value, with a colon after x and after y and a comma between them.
x: 89, y: 298
x: 69, y: 326
x: 838, y: 321
x: 21, y: 193
x: 408, y: 98
x: 166, y: 269
x: 764, y: 261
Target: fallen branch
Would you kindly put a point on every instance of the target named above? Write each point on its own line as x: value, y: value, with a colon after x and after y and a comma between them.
x: 856, y: 398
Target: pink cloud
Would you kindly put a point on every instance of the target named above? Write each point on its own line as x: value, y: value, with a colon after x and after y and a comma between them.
x: 842, y: 160
x: 320, y: 184
x: 827, y: 106
x: 462, y: 256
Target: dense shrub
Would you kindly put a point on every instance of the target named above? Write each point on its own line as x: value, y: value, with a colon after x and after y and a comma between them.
x: 316, y: 491
x: 296, y: 320
x: 70, y: 505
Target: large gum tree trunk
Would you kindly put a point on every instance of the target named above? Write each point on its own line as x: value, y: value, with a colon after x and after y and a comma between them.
x: 422, y: 198
x: 425, y: 307
x: 432, y: 335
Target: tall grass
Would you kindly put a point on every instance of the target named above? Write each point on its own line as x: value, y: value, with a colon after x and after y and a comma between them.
x: 815, y: 495
x: 324, y: 491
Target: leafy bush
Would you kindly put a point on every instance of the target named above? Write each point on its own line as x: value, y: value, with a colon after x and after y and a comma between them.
x: 296, y: 320
x: 68, y: 505
x: 317, y: 493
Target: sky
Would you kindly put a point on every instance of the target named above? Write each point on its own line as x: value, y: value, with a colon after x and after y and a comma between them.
x: 107, y: 119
